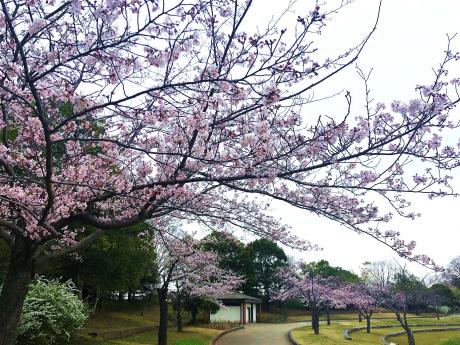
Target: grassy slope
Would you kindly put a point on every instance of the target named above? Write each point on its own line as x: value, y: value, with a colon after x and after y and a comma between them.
x: 132, y: 315
x: 190, y: 336
x: 126, y: 315
x: 333, y: 334
x: 114, y: 320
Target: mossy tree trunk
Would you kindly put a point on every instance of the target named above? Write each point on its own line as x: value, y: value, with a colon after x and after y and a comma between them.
x: 13, y: 294
x: 163, y: 327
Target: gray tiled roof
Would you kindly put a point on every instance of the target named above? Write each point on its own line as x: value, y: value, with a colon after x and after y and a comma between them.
x: 238, y: 297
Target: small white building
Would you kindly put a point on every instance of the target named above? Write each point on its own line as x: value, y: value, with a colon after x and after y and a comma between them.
x: 238, y: 308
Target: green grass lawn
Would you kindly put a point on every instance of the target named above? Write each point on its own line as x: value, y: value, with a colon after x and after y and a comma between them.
x: 280, y: 315
x: 333, y: 334
x: 452, y: 341
x: 442, y: 338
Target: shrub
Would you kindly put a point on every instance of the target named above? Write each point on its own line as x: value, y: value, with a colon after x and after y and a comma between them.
x: 52, y: 313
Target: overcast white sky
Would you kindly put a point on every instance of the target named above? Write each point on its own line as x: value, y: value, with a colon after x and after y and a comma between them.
x: 409, y: 41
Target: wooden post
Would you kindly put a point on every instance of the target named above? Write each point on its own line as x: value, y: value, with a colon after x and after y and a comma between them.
x: 244, y: 313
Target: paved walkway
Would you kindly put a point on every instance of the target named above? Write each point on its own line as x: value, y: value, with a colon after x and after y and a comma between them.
x: 260, y: 334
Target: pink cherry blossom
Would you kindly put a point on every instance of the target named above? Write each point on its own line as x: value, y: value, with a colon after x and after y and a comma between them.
x: 114, y: 113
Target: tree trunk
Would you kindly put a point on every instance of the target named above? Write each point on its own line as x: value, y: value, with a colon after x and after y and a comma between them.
x: 315, y: 320
x: 406, y: 327
x: 328, y: 315
x: 194, y: 313
x: 19, y: 275
x: 285, y: 312
x: 96, y: 301
x: 410, y: 337
x: 86, y: 294
x: 79, y: 285
x: 163, y: 327
x: 101, y: 301
x: 146, y: 303
x: 368, y: 324
x: 179, y: 327
x: 267, y: 298
x: 316, y: 330
x: 360, y: 317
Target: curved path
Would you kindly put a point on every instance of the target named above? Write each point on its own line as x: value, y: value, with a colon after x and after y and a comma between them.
x: 260, y: 334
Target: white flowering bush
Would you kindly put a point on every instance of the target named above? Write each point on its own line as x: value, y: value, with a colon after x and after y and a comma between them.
x: 52, y: 313
x: 444, y: 309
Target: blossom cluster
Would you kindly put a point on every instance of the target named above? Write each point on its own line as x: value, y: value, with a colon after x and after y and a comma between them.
x: 113, y: 112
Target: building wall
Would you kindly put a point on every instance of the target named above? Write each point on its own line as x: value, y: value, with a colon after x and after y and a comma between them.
x: 227, y: 314
x: 248, y: 312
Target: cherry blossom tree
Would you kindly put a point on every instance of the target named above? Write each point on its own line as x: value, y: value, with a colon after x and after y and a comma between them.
x: 322, y: 269
x: 116, y: 112
x: 359, y: 297
x: 397, y: 298
x: 315, y: 293
x: 185, y: 270
x: 398, y: 303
